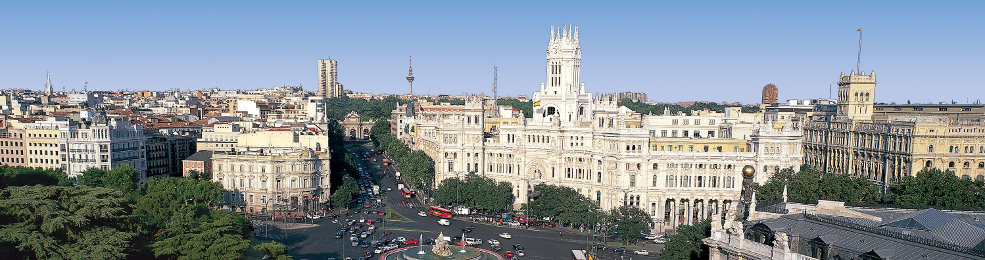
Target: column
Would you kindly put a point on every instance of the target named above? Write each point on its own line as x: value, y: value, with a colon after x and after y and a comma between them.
x: 688, y: 211
x: 673, y: 213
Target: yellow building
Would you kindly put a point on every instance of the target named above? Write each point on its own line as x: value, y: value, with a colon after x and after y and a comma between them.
x: 41, y: 143
x: 958, y: 147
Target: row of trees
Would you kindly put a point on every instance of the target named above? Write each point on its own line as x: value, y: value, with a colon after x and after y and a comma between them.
x: 929, y: 188
x: 475, y: 192
x: 658, y: 109
x: 108, y: 217
x: 416, y: 166
x: 373, y: 109
x: 565, y: 205
x: 809, y: 186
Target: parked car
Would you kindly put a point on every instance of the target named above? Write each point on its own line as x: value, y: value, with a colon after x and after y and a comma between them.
x: 642, y: 252
x: 505, y: 235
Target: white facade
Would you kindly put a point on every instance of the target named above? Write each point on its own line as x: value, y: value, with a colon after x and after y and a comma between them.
x: 608, y: 153
x: 262, y: 180
x: 102, y: 143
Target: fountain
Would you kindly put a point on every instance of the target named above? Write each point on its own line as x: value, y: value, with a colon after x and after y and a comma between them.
x: 439, y: 251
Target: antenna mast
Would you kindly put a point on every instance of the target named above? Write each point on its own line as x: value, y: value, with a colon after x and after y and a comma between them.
x: 858, y: 61
x: 495, y: 79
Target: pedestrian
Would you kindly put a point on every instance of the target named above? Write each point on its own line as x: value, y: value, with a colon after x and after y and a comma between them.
x: 559, y: 234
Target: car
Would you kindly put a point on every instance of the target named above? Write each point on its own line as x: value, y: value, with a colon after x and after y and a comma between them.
x: 508, y: 254
x: 411, y: 241
x: 338, y: 234
x: 661, y: 239
x: 444, y: 222
x: 389, y: 247
x: 363, y: 244
x: 519, y: 252
x: 493, y: 242
x: 367, y: 254
x: 378, y: 250
x: 422, y: 214
x: 466, y: 230
x: 642, y: 252
x: 460, y: 243
x: 600, y: 247
x: 471, y: 241
x: 505, y: 235
x: 381, y: 213
x: 620, y: 250
x: 650, y: 236
x: 400, y: 239
x: 427, y: 241
x: 355, y: 242
x: 518, y: 246
x: 495, y: 248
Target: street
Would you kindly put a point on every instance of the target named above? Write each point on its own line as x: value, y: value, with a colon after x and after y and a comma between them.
x: 318, y: 240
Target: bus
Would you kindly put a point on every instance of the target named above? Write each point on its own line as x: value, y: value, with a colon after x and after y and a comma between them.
x: 444, y: 213
x: 406, y: 193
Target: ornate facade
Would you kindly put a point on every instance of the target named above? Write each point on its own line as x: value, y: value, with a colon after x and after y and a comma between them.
x: 273, y: 179
x: 678, y: 168
x: 884, y: 143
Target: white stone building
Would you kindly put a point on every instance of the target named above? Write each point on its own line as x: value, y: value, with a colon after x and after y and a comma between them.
x: 606, y: 152
x: 103, y: 143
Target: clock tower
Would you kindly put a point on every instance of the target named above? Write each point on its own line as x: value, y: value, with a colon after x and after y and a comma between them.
x: 562, y: 99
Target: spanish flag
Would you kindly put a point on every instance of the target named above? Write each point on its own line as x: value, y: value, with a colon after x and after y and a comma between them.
x: 537, y: 103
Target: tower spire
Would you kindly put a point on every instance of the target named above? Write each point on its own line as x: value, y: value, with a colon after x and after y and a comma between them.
x: 495, y: 79
x: 410, y: 75
x: 47, y: 83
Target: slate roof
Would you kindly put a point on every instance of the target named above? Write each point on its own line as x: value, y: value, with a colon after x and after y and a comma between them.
x: 950, y: 236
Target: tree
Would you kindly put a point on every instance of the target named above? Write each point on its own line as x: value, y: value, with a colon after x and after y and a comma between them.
x: 197, y: 232
x: 475, y: 192
x: 416, y: 166
x: 686, y: 243
x: 936, y: 188
x: 344, y: 194
x: 162, y: 198
x: 276, y: 251
x: 41, y: 222
x: 25, y: 176
x: 629, y: 222
x: 563, y: 204
x: 527, y: 107
x: 122, y: 178
x: 809, y: 186
x: 92, y: 177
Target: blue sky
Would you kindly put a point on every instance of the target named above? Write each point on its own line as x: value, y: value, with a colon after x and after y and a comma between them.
x: 923, y: 51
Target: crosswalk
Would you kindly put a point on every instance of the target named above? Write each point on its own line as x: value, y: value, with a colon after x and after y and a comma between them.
x: 273, y: 237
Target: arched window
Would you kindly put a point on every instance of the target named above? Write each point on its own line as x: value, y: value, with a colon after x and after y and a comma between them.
x: 981, y: 165
x: 967, y: 165
x: 950, y: 165
x: 929, y: 164
x: 930, y: 149
x: 654, y: 166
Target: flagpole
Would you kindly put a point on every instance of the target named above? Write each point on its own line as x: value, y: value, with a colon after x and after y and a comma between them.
x: 858, y: 61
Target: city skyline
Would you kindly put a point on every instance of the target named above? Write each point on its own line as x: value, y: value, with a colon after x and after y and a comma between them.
x: 729, y: 52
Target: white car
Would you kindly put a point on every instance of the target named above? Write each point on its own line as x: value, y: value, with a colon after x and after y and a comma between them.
x: 505, y: 235
x: 401, y: 239
x: 642, y: 252
x: 650, y: 236
x: 378, y: 250
x: 444, y: 222
x: 493, y: 242
x: 422, y: 214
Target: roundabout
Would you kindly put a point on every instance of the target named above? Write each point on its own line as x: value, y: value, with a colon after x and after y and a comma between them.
x: 440, y: 251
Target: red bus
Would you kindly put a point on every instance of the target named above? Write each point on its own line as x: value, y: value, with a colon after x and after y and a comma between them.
x: 386, y: 162
x: 444, y: 213
x: 406, y: 193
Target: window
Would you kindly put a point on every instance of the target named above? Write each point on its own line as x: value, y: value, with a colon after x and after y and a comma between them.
x: 654, y: 166
x: 654, y: 184
x: 632, y: 180
x: 930, y: 149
